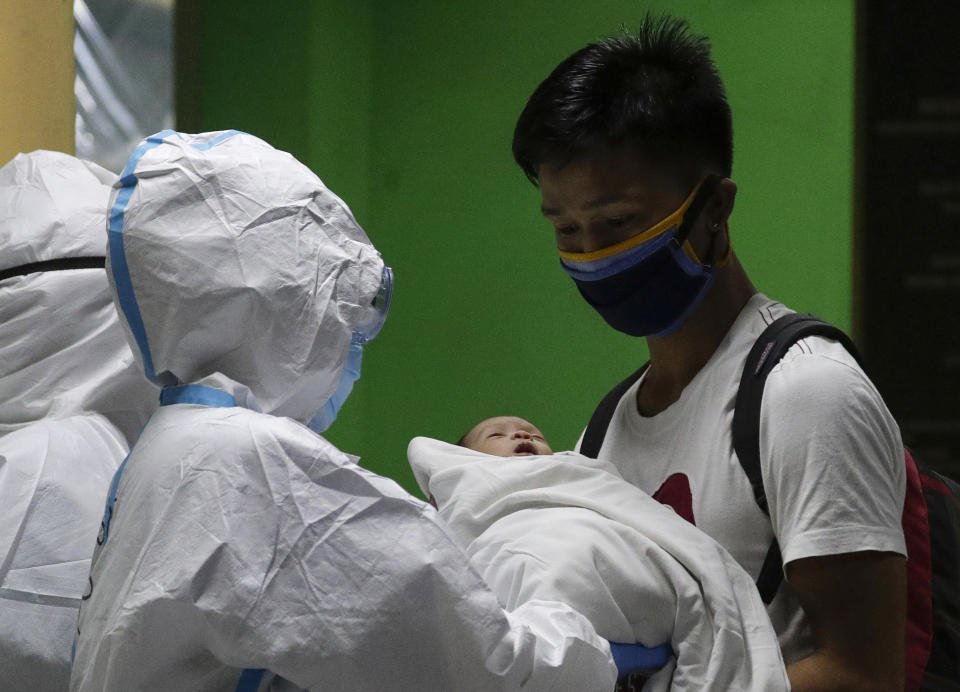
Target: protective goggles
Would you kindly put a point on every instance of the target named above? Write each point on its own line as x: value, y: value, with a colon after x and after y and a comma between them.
x: 372, y: 322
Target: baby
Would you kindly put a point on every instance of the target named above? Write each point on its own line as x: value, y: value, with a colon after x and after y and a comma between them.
x: 562, y: 526
x: 506, y: 436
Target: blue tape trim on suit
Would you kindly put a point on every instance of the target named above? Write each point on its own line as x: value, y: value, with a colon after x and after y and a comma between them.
x: 250, y: 679
x: 203, y: 146
x: 118, y: 259
x: 111, y: 499
x: 196, y: 394
x: 637, y: 657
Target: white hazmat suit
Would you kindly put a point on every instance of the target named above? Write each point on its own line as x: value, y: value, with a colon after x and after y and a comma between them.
x: 71, y: 396
x: 240, y: 550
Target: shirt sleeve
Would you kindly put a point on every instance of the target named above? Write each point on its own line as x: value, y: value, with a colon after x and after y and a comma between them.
x: 831, y: 456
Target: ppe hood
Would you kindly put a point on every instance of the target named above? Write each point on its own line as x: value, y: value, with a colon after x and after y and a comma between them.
x: 62, y: 351
x: 229, y: 256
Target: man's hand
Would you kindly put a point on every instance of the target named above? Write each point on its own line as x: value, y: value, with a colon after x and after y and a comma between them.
x: 856, y: 604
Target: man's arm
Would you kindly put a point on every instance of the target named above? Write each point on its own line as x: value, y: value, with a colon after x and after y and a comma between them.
x: 856, y: 606
x: 835, y: 479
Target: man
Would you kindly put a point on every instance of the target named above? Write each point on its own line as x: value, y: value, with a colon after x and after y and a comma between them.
x: 630, y: 141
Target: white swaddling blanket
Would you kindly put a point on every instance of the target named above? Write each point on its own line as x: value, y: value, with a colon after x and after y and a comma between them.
x: 569, y: 528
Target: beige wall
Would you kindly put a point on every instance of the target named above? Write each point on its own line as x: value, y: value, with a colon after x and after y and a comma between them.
x: 37, y: 108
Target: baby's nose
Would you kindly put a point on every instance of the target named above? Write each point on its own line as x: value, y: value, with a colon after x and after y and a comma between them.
x: 521, y: 435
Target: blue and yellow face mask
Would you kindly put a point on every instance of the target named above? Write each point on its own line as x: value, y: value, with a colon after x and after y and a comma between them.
x: 647, y: 285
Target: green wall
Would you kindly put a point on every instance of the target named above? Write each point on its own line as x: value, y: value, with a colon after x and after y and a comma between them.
x: 407, y: 110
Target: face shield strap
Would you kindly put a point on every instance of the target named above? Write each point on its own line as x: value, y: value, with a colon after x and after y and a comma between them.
x: 62, y: 264
x: 721, y: 261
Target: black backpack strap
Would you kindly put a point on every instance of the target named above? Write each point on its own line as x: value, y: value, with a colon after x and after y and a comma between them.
x: 772, y: 345
x: 600, y: 420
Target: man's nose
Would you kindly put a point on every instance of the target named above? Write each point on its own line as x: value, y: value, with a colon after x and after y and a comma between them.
x: 591, y: 242
x: 582, y: 241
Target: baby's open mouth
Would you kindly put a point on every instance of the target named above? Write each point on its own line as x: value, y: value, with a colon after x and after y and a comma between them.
x: 524, y: 448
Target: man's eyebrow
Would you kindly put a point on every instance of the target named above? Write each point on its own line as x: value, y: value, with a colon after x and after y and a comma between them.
x: 549, y: 211
x: 603, y: 201
x: 592, y: 204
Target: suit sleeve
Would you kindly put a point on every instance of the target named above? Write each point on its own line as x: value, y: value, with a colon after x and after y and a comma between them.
x: 335, y: 576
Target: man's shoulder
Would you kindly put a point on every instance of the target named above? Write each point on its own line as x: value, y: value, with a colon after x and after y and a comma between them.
x: 813, y: 362
x: 819, y: 365
x: 757, y: 314
x: 819, y: 389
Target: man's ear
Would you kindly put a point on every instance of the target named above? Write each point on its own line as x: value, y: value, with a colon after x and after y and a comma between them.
x: 720, y: 206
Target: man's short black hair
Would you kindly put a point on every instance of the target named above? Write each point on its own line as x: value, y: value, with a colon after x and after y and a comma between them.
x: 656, y: 89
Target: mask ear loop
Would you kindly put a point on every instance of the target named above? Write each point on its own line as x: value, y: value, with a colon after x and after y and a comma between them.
x: 707, y: 188
x: 723, y: 261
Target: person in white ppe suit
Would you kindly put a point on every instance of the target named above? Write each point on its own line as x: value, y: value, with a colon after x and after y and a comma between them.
x: 71, y: 401
x: 240, y: 550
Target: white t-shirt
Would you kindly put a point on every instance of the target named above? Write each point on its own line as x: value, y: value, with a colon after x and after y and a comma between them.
x: 830, y: 452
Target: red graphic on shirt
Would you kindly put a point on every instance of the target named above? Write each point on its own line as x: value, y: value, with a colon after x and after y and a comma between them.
x: 675, y: 492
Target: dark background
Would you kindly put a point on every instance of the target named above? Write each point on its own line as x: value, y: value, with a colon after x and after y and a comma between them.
x: 907, y: 245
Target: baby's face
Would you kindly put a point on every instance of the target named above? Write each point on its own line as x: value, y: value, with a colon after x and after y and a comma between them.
x: 507, y: 436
